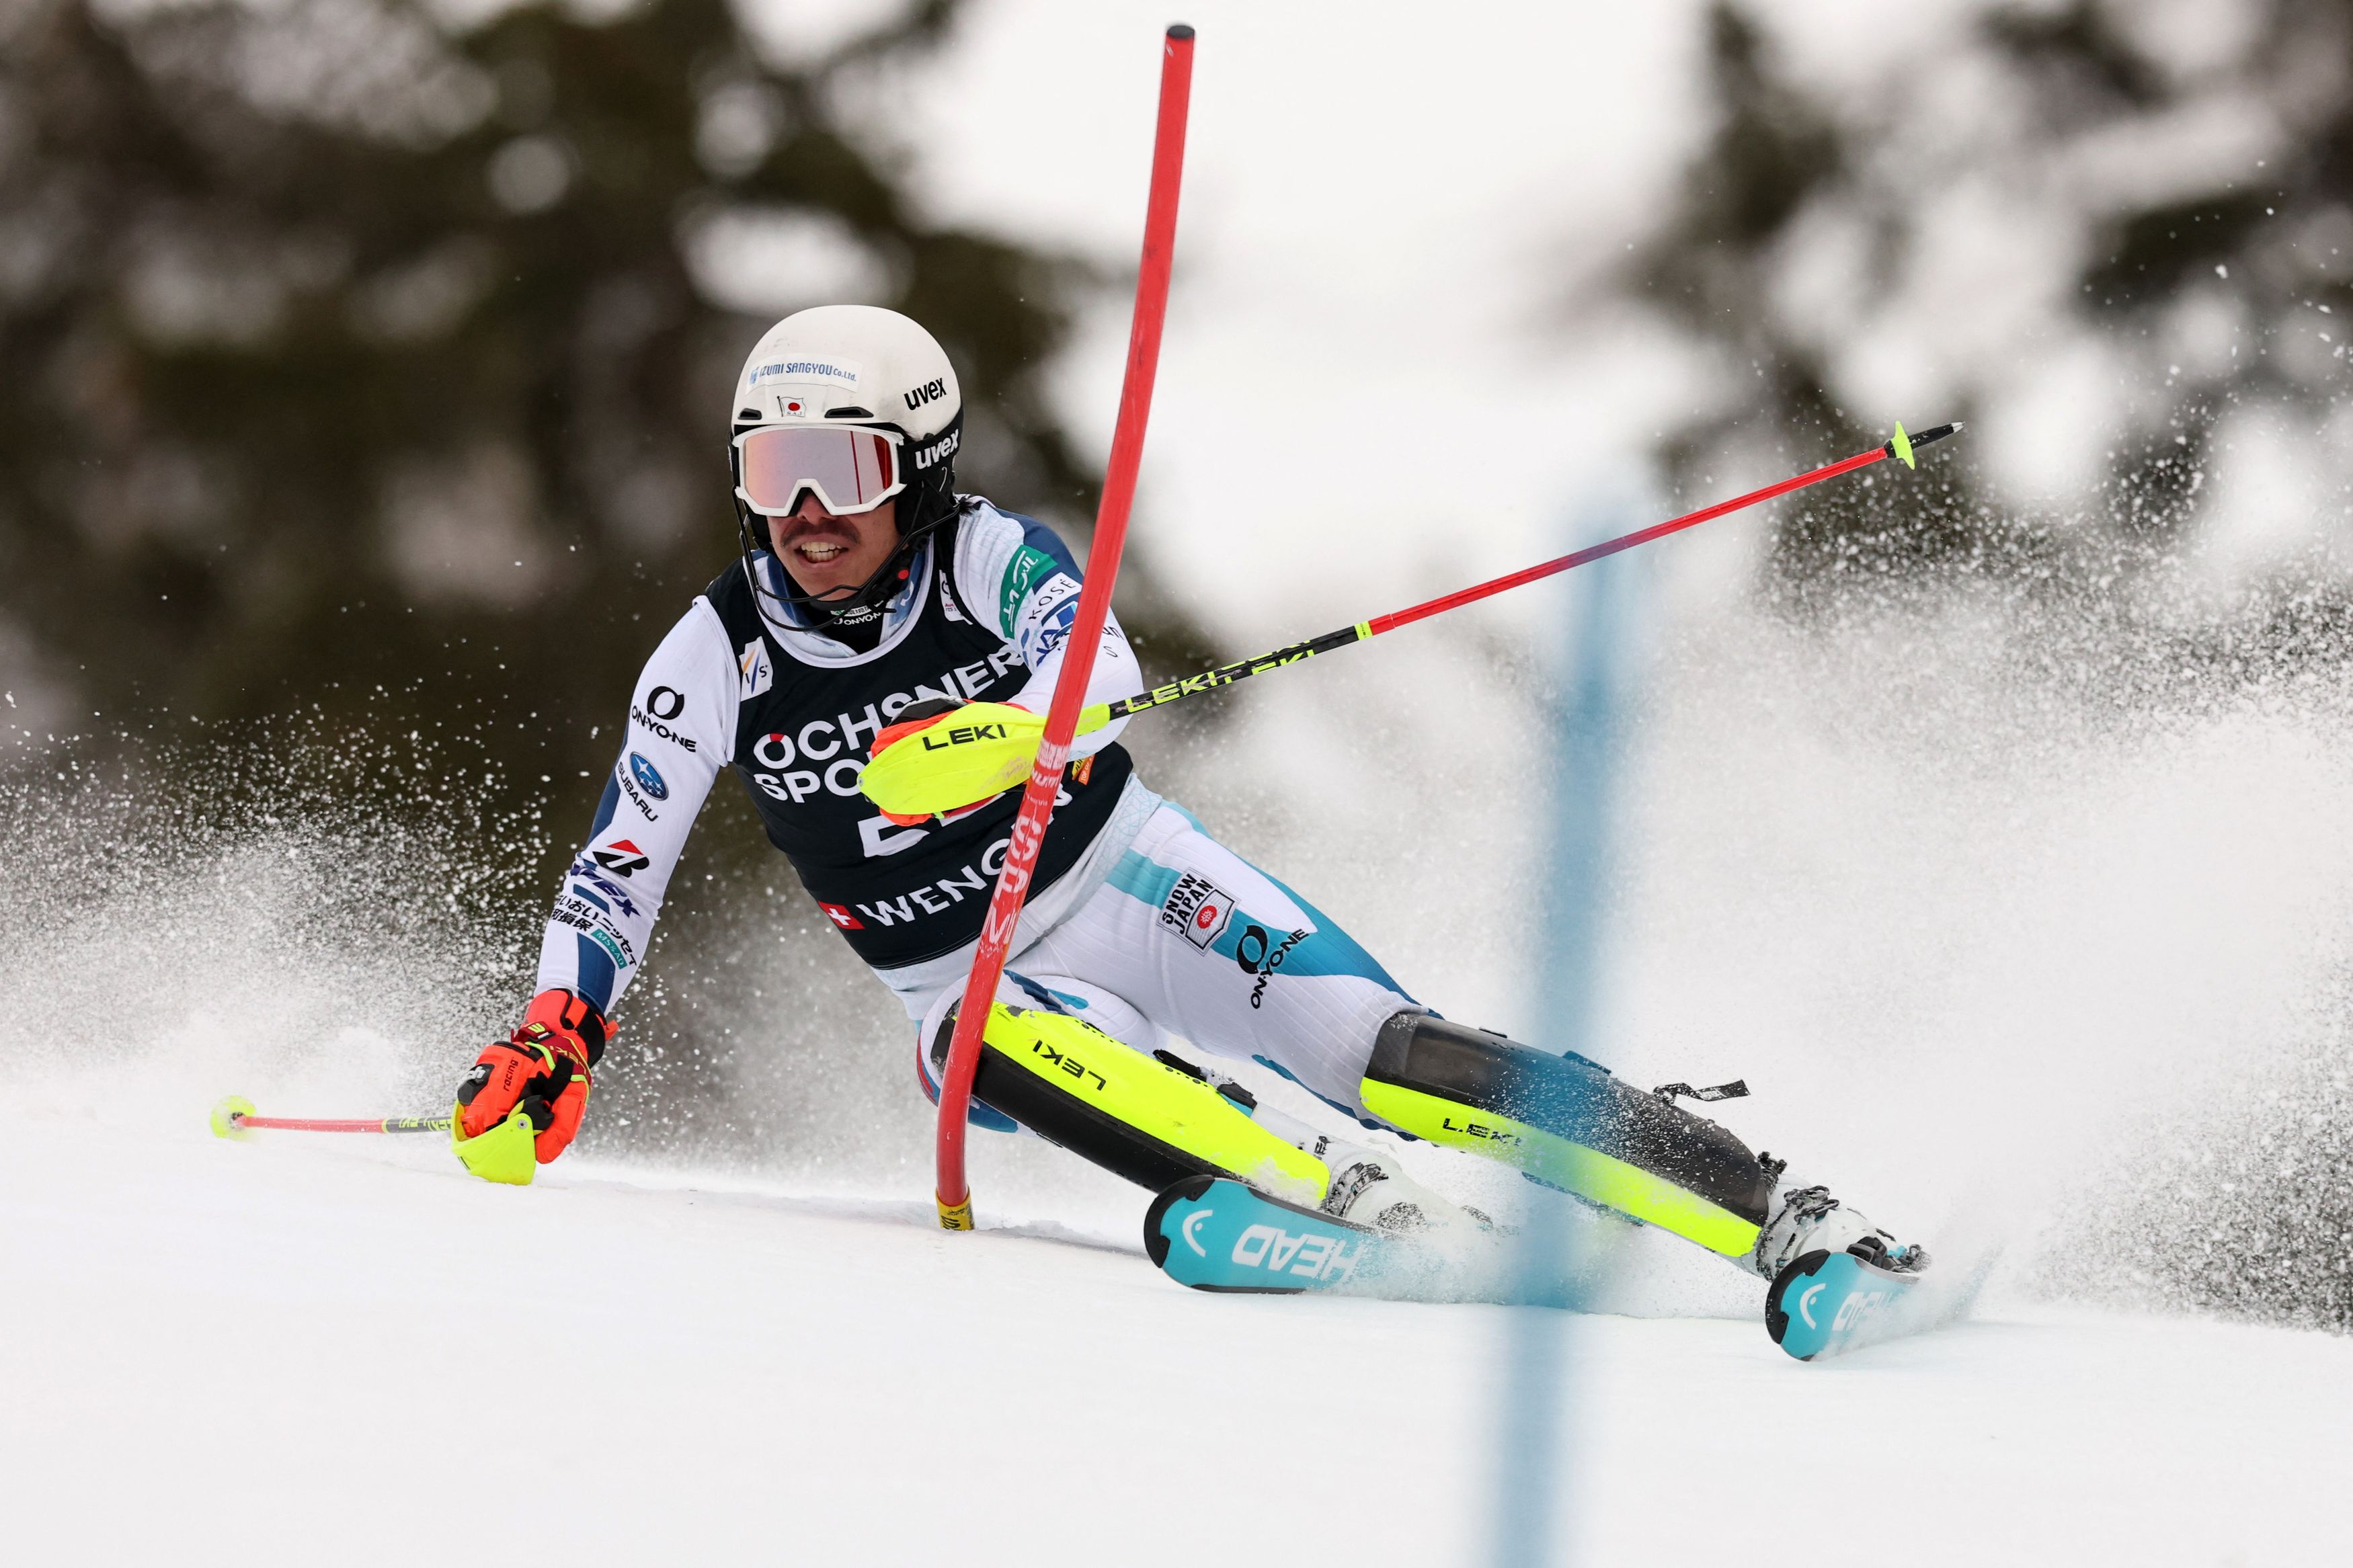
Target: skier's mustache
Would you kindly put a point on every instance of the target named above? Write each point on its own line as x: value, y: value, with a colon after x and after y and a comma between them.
x: 823, y: 528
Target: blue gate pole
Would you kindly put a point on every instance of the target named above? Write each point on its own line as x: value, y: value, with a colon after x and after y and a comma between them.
x: 1535, y: 1456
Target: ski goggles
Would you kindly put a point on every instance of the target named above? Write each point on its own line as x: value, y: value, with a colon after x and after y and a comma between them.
x: 849, y: 467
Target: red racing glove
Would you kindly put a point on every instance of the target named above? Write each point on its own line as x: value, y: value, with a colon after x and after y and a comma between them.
x: 544, y: 1069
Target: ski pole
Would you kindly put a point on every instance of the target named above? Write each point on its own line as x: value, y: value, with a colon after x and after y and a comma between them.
x: 1053, y: 748
x: 989, y: 748
x: 236, y: 1115
x: 1901, y: 446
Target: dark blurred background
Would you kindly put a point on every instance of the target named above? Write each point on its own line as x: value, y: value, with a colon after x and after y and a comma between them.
x: 348, y: 351
x: 348, y: 348
x: 2161, y: 194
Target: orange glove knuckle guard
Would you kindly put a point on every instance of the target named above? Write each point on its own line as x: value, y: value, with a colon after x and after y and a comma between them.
x: 544, y: 1069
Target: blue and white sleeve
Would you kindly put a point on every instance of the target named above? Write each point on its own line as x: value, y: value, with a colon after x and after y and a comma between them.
x: 1018, y: 574
x: 681, y: 732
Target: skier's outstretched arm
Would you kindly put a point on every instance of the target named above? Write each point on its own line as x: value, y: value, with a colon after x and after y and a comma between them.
x: 679, y: 729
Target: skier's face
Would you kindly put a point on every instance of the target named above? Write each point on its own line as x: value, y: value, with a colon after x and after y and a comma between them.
x: 828, y: 554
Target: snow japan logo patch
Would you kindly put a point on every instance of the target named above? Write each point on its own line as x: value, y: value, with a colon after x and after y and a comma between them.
x: 1196, y: 909
x: 622, y: 858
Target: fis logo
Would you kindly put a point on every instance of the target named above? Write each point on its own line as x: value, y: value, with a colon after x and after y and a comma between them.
x: 754, y: 673
x: 1196, y: 909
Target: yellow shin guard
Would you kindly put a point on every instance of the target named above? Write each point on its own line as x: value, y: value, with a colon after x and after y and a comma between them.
x: 1570, y: 1125
x: 1132, y: 1114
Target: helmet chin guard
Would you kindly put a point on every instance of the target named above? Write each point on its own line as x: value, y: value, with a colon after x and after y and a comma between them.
x: 861, y: 366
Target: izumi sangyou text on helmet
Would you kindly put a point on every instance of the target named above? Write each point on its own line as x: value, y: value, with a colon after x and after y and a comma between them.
x: 857, y: 405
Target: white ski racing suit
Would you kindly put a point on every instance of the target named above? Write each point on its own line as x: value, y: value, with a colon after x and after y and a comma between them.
x: 1138, y: 921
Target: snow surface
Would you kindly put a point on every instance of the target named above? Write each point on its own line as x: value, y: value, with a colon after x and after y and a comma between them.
x: 1969, y: 942
x: 322, y: 1349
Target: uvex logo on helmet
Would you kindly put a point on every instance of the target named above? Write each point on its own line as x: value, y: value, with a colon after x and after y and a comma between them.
x: 940, y: 449
x: 935, y: 387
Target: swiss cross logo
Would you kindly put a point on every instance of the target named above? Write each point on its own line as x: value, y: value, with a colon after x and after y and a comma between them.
x: 1198, y: 909
x: 621, y: 858
x: 842, y: 917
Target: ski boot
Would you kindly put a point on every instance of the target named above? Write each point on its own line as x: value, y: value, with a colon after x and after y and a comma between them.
x: 1808, y: 1219
x: 1368, y: 1189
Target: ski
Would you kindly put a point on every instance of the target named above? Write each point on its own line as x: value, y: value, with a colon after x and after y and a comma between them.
x: 1212, y: 1233
x: 1826, y: 1303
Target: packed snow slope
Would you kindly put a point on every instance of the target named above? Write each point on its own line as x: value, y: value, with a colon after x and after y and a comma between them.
x: 345, y: 1350
x: 2007, y: 933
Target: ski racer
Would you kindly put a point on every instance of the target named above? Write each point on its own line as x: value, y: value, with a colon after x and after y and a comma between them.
x: 870, y: 602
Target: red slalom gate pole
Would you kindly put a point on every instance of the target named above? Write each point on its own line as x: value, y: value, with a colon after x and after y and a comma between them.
x: 954, y: 1194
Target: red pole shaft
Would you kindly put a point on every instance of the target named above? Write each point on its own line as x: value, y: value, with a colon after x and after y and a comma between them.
x: 954, y: 1194
x: 308, y: 1124
x: 1471, y: 594
x: 315, y: 1124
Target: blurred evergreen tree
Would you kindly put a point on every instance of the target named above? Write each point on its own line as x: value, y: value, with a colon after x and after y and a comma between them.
x: 349, y: 349
x: 2181, y: 196
x: 2166, y: 192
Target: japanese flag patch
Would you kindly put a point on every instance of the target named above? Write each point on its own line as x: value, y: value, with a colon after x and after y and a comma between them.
x: 1196, y: 909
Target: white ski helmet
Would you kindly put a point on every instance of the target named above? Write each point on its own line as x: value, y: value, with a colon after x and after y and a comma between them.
x: 848, y: 366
